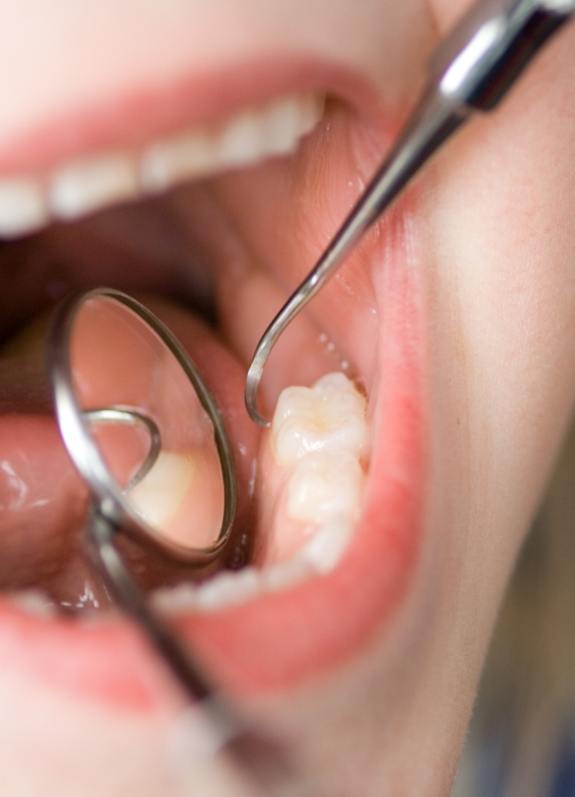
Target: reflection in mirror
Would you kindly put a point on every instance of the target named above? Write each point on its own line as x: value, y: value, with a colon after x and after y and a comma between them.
x: 128, y: 474
x: 153, y: 433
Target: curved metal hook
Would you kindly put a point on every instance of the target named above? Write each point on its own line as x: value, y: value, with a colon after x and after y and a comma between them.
x: 471, y: 70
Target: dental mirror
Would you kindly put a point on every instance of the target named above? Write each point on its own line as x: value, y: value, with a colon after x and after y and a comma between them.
x: 141, y: 426
x: 143, y: 430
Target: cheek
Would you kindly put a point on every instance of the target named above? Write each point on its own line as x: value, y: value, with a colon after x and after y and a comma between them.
x: 501, y: 211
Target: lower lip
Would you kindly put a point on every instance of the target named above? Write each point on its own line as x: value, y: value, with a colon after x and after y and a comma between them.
x: 279, y: 641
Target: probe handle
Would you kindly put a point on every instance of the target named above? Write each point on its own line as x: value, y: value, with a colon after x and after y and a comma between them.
x: 487, y: 51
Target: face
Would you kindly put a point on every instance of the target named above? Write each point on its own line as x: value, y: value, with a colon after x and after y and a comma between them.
x: 456, y: 317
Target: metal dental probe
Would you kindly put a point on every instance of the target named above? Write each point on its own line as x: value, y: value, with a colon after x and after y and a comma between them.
x: 471, y: 70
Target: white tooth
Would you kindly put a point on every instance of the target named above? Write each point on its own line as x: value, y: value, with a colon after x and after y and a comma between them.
x: 325, y: 549
x: 322, y: 487
x: 240, y: 142
x: 159, y: 495
x: 184, y: 156
x: 175, y: 599
x: 35, y: 602
x: 246, y: 138
x: 286, y: 574
x: 283, y: 126
x: 229, y: 589
x: 22, y: 207
x: 312, y: 108
x: 327, y: 417
x: 225, y: 589
x: 87, y: 185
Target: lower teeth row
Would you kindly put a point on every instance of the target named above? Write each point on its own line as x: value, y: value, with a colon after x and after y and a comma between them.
x: 313, y: 466
x: 314, y: 463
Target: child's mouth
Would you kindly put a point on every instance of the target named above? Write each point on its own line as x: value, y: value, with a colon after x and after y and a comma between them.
x: 227, y: 208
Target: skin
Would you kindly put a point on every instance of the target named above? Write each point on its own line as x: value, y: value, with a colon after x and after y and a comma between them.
x: 496, y: 224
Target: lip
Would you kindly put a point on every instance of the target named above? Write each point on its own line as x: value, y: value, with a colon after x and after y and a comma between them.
x: 143, y: 112
x: 310, y: 629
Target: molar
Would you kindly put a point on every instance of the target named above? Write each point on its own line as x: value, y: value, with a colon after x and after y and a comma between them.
x: 249, y: 136
x: 314, y: 480
x: 158, y: 497
x: 226, y: 589
x: 326, y: 546
x: 330, y: 416
x: 323, y: 487
x: 232, y: 588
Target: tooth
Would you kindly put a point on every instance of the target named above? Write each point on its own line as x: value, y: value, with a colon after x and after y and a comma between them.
x: 330, y: 417
x: 184, y: 156
x: 175, y: 599
x: 325, y: 549
x: 286, y: 574
x: 158, y: 497
x: 229, y: 589
x: 240, y: 142
x: 316, y: 474
x: 322, y: 487
x: 283, y: 126
x: 233, y: 588
x: 312, y: 108
x: 35, y: 602
x: 22, y: 207
x: 87, y: 185
x: 225, y: 589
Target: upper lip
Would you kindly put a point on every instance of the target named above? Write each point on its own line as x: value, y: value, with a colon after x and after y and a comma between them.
x: 135, y: 115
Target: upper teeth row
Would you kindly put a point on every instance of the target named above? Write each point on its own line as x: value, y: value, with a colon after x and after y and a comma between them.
x: 76, y: 188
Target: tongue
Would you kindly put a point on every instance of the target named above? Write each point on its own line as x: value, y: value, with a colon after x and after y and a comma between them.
x: 44, y: 502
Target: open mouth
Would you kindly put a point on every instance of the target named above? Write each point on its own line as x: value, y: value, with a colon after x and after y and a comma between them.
x: 214, y: 214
